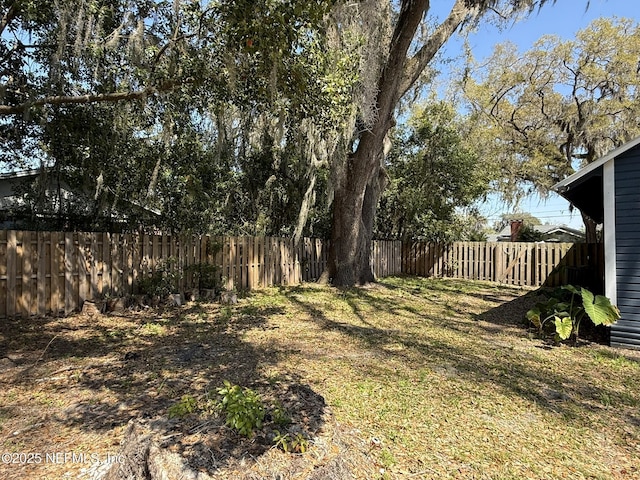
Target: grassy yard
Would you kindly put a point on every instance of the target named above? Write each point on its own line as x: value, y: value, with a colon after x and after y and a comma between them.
x: 421, y: 378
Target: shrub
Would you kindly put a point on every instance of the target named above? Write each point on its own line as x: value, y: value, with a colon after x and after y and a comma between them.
x: 184, y: 407
x: 567, y: 307
x: 244, y: 409
x: 291, y: 443
x: 205, y: 276
x: 162, y: 281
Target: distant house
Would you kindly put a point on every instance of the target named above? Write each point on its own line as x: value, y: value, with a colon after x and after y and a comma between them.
x: 608, y: 191
x: 549, y: 233
x: 38, y: 200
x: 16, y: 193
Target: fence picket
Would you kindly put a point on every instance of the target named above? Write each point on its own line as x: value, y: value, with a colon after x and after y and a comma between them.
x: 41, y: 274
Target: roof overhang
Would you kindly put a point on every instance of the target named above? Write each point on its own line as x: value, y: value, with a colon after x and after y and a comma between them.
x: 584, y: 188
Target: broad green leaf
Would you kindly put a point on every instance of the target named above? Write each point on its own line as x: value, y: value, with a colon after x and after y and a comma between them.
x: 564, y: 327
x: 572, y: 289
x: 533, y: 316
x: 552, y: 302
x: 600, y: 310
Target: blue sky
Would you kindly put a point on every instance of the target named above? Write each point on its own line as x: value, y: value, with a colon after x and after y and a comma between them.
x: 564, y: 18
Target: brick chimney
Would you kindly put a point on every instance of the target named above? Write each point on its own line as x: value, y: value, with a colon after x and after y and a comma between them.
x: 516, y: 225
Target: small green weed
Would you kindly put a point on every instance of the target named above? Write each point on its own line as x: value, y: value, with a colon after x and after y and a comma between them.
x: 387, y: 459
x: 153, y: 329
x: 291, y: 444
x: 226, y: 313
x: 605, y: 399
x: 186, y: 406
x: 279, y: 415
x: 615, y: 360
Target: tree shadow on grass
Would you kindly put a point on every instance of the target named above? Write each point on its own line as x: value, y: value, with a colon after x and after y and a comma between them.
x: 440, y: 290
x: 495, y: 365
x: 510, y: 313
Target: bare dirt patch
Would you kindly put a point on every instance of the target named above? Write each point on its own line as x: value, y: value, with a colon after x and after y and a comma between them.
x: 71, y: 386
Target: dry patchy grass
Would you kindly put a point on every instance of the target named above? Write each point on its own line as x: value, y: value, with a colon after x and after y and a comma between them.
x: 424, y: 378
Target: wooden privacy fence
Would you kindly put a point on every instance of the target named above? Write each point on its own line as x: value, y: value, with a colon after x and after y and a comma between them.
x: 54, y: 272
x: 530, y: 264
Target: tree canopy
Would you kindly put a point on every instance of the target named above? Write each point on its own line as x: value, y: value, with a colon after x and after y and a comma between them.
x: 433, y: 175
x: 269, y: 116
x: 214, y: 113
x: 558, y: 106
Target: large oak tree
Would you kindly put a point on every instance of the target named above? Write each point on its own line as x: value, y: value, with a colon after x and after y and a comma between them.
x: 361, y: 178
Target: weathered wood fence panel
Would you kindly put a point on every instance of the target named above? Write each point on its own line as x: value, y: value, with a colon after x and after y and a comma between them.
x: 530, y: 264
x: 54, y: 272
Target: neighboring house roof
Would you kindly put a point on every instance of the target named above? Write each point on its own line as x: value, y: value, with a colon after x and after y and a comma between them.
x: 549, y: 232
x: 10, y: 198
x: 584, y: 188
x: 558, y: 230
x: 19, y: 174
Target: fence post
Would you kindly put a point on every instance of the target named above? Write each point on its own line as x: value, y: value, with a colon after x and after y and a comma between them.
x: 41, y: 277
x: 11, y: 297
x: 497, y: 262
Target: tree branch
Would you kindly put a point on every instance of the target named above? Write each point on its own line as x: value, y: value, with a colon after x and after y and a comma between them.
x: 9, y: 16
x: 82, y: 99
x: 415, y: 66
x: 411, y: 14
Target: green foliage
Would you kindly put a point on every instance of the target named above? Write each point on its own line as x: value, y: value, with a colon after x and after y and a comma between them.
x: 206, y: 276
x: 237, y: 113
x: 162, y: 281
x: 186, y: 406
x: 433, y: 173
x: 291, y: 443
x: 245, y: 413
x: 529, y: 234
x: 248, y: 91
x: 567, y: 307
x: 477, y: 236
x: 507, y: 218
x: 531, y: 127
x: 244, y: 409
x: 564, y: 326
x: 279, y: 415
x: 599, y: 308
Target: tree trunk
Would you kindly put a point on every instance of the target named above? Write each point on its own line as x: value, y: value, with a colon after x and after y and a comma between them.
x: 142, y: 458
x: 591, y: 235
x: 352, y: 230
x: 357, y: 194
x: 361, y: 183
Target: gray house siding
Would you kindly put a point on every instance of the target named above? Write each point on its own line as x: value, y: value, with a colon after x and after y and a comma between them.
x: 626, y: 332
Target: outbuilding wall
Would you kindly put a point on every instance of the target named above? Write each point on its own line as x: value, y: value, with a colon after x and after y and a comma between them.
x: 626, y: 332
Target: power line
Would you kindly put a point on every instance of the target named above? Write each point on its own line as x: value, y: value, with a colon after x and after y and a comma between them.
x: 534, y: 214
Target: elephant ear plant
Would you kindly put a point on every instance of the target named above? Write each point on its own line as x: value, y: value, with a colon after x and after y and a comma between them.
x: 565, y: 312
